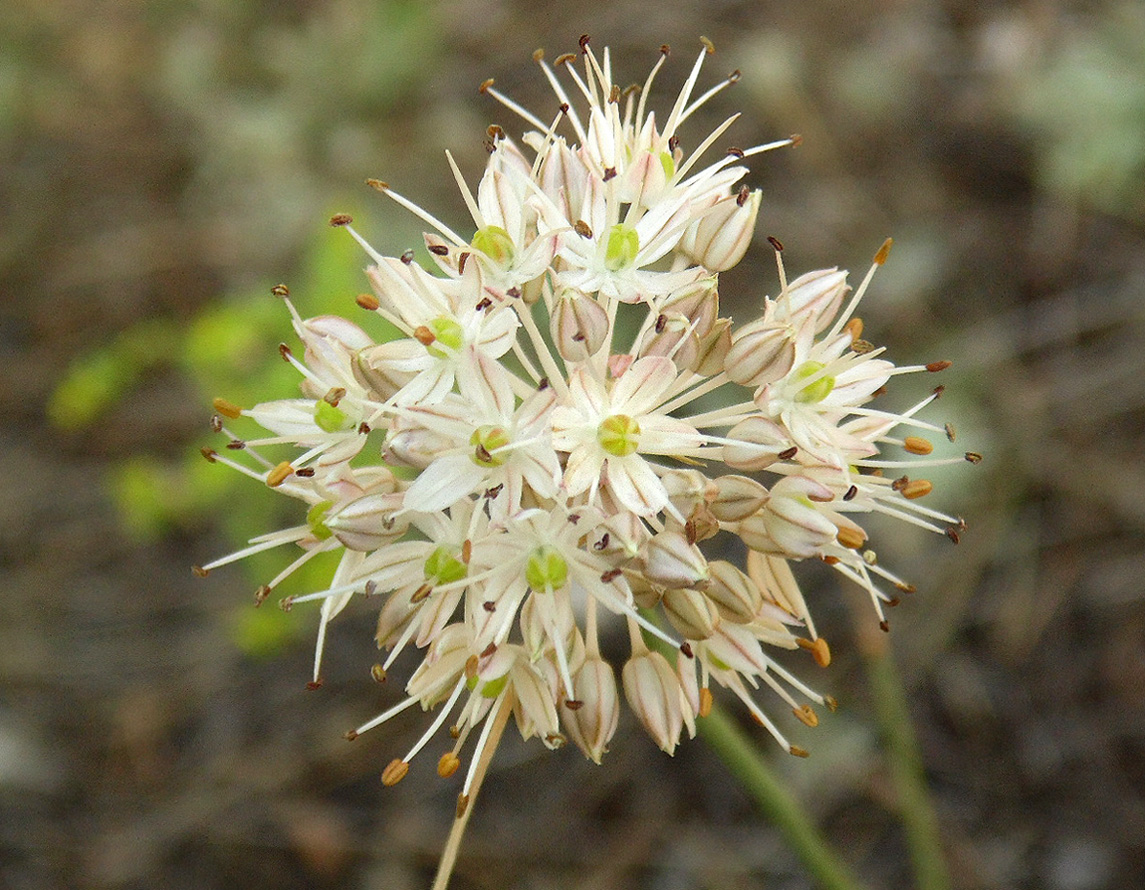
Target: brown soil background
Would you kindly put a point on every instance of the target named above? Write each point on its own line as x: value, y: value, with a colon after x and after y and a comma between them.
x: 154, y: 157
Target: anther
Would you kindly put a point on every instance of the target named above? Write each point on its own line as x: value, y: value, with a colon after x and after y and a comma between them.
x: 796, y: 140
x: 438, y: 249
x: 407, y: 256
x: 311, y: 685
x: 367, y: 301
x: 818, y: 648
x: 917, y: 488
x: 199, y: 572
x: 949, y: 431
x: 611, y: 575
x: 831, y: 703
x: 900, y: 483
x: 227, y: 409
x: 870, y: 557
x: 799, y: 752
x: 563, y: 108
x: 734, y: 76
x: 917, y: 445
x: 776, y: 243
x: 686, y: 648
x: 421, y: 593
x: 708, y: 45
x: 974, y: 457
x: 286, y: 603
x: 454, y: 731
x: 513, y: 292
x: 485, y: 84
x: 280, y: 290
x: 673, y: 143
x: 471, y: 667
x: 939, y: 390
x: 609, y: 173
x: 743, y: 196
x: 830, y: 560
x: 806, y: 715
x: 491, y: 493
x: 284, y: 352
x: 564, y: 59
x: 448, y: 764
x: 952, y: 533
x: 261, y: 594
x: 574, y: 704
x: 665, y: 50
x: 885, y: 626
x: 488, y: 650
x: 850, y: 538
x: 661, y: 323
x: 462, y: 259
x: 493, y: 131
x: 489, y: 606
x: 216, y: 424
x: 850, y: 493
x: 705, y: 701
x: 861, y: 347
x: 350, y: 736
x: 394, y: 772
x: 736, y: 153
x: 583, y: 43
x: 279, y: 474
x: 892, y: 602
x: 334, y: 395
x: 484, y: 303
x: 602, y: 543
x: 904, y: 587
x: 371, y: 588
x: 341, y: 219
x: 938, y: 366
x: 209, y: 453
x: 883, y: 252
x: 363, y: 428
x: 466, y: 551
x: 538, y: 54
x: 423, y: 335
x: 788, y: 453
x: 614, y: 95
x: 542, y: 384
x: 378, y: 673
x: 854, y: 327
x: 378, y: 185
x: 462, y: 805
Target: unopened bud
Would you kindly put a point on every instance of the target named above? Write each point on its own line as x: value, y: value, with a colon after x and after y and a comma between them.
x: 691, y: 613
x: 672, y: 562
x: 592, y: 725
x: 737, y: 596
x: 760, y: 355
x: 579, y: 326
x: 653, y: 692
x: 720, y: 238
x: 817, y: 295
x: 759, y: 442
x: 737, y: 498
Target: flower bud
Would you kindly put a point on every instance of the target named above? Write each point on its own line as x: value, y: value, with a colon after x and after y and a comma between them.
x: 592, y: 725
x: 367, y: 523
x: 737, y: 497
x: 712, y: 353
x: 382, y: 369
x: 533, y: 703
x: 578, y: 325
x: 735, y: 595
x: 654, y: 694
x: 817, y: 295
x: 672, y: 562
x: 697, y: 303
x: 760, y: 354
x: 691, y: 613
x: 413, y: 446
x: 719, y: 239
x: 687, y: 489
x: 790, y: 524
x: 759, y: 442
x: 674, y: 339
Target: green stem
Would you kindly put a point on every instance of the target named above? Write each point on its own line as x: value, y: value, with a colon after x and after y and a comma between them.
x: 919, y: 819
x: 747, y: 764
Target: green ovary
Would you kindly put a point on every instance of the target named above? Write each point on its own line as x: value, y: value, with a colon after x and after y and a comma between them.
x: 623, y: 245
x: 816, y: 391
x: 316, y: 520
x: 448, y: 333
x: 329, y: 418
x: 443, y: 567
x: 546, y: 570
x: 619, y: 435
x: 495, y: 243
x: 485, y: 441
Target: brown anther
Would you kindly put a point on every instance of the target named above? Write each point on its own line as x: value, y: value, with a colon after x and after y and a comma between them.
x: 673, y: 143
x: 883, y: 252
x: 280, y: 290
x: 483, y: 304
x: 462, y: 259
x: 862, y: 347
x: 578, y: 337
x: 573, y: 518
x: 900, y: 483
x: 378, y: 185
x: 574, y: 704
x: 974, y: 457
x: 806, y: 715
x: 665, y: 49
x: 407, y: 256
x: 917, y: 488
x: 371, y: 588
x: 686, y: 648
x: 286, y: 603
x: 209, y: 453
x: 199, y: 572
x: 799, y: 752
x: 454, y: 731
x: 831, y: 703
x: 448, y: 764
x: 489, y: 650
x: 917, y: 445
x: 438, y: 249
x: 938, y: 366
x: 602, y: 543
x: 542, y: 384
x: 830, y: 560
x: 423, y: 335
x: 904, y: 587
x: 466, y: 550
x: 394, y: 772
x: 952, y: 533
x: 708, y: 45
x: 563, y: 108
x: 614, y: 95
x: 735, y: 153
x: 775, y: 243
x: 471, y: 667
x: 705, y: 701
x: 690, y: 531
x: 314, y: 684
x: 261, y: 594
x: 494, y: 131
x: 363, y: 428
x: 341, y: 219
x: 462, y: 805
x: 939, y: 390
x: 881, y: 391
x: 893, y: 601
x: 796, y: 140
x: 582, y: 228
x: 885, y: 626
x: 284, y: 352
x: 661, y: 323
x: 611, y: 575
x: 818, y: 648
x: 491, y: 493
x: 422, y: 593
x: 482, y: 454
x: 334, y: 395
x: 949, y: 431
x: 788, y: 453
x: 854, y: 327
x: 485, y: 84
x: 216, y: 423
x: 583, y: 43
x: 513, y: 292
x: 305, y: 472
x: 367, y: 301
x: 734, y: 76
x: 378, y: 673
x: 351, y: 735
x: 849, y: 494
x: 538, y: 54
x: 743, y: 195
x: 489, y: 606
x: 227, y: 409
x: 609, y: 173
x: 564, y: 59
x: 279, y: 474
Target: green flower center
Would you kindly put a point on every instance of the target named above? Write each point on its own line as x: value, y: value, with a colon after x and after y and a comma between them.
x: 622, y: 246
x: 817, y: 390
x: 495, y: 243
x: 316, y: 519
x: 329, y: 418
x: 443, y: 566
x: 485, y: 441
x: 668, y: 163
x: 619, y: 435
x: 546, y: 570
x: 448, y: 333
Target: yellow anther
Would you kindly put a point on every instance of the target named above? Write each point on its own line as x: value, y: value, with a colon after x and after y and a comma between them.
x: 851, y: 538
x: 367, y: 301
x: 227, y: 409
x: 462, y: 804
x: 884, y: 252
x: 806, y: 715
x: 394, y: 772
x: 378, y: 673
x: 799, y: 752
x: 818, y: 648
x: 917, y: 488
x: 705, y: 701
x: 448, y: 764
x: 279, y: 474
x: 917, y: 445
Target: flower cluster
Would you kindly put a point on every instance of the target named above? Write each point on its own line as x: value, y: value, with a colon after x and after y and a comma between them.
x: 567, y: 432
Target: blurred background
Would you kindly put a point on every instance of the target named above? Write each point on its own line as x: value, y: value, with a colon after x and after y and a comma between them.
x: 163, y: 164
